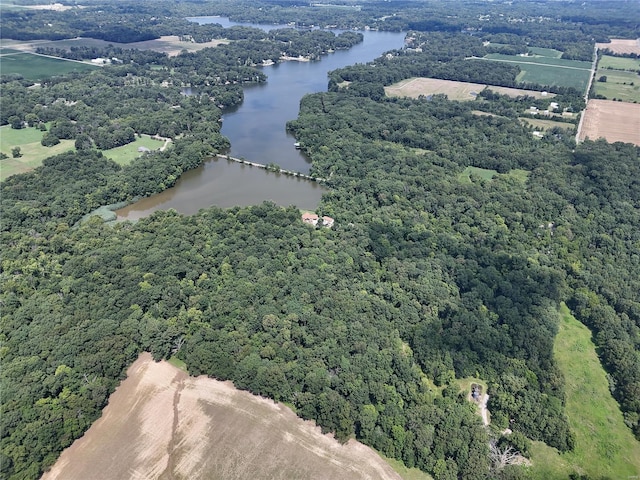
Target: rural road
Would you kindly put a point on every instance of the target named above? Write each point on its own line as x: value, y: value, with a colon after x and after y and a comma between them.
x: 483, y: 409
x: 586, y: 94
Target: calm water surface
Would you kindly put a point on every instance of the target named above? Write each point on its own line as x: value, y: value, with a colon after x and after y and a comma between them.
x: 257, y: 133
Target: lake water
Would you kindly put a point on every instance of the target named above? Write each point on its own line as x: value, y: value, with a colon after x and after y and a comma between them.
x: 257, y: 133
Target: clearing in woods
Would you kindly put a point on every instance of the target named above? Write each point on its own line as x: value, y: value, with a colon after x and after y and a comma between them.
x: 417, y: 86
x: 605, y: 446
x: 162, y: 423
x: 613, y: 121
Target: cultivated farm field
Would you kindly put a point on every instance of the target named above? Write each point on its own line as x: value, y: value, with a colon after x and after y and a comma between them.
x: 621, y: 46
x: 613, y: 121
x: 162, y: 423
x: 36, y: 67
x: 548, y: 70
x: 417, y: 86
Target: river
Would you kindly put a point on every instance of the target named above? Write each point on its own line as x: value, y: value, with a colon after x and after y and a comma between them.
x: 256, y: 130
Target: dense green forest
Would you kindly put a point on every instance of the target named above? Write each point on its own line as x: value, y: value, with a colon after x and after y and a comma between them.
x: 365, y: 327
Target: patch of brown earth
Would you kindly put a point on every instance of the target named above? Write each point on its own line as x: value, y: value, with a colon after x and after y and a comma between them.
x: 415, y: 87
x: 613, y: 121
x: 621, y: 46
x: 163, y: 424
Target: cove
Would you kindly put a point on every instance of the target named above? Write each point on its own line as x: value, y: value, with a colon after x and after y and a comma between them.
x: 257, y: 132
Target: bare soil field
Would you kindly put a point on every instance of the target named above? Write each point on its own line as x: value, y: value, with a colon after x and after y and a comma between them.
x: 163, y: 424
x: 169, y: 44
x: 619, y: 46
x: 613, y: 121
x: 414, y: 87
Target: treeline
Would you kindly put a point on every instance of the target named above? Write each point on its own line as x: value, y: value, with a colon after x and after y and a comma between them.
x: 567, y: 27
x: 248, y: 46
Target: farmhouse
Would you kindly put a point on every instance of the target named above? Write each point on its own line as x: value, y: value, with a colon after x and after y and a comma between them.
x: 313, y: 219
x: 310, y: 218
x: 327, y: 222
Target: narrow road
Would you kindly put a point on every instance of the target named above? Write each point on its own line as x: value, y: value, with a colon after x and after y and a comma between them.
x: 483, y: 409
x: 586, y: 94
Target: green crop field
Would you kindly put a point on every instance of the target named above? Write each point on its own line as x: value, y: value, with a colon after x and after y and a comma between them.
x: 552, y: 75
x: 35, y: 67
x: 619, y: 63
x: 127, y: 153
x: 559, y: 62
x: 33, y: 153
x: 545, y: 52
x: 621, y: 85
x: 548, y: 70
x: 605, y: 447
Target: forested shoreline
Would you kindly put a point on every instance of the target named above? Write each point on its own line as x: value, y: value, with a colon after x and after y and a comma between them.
x: 425, y: 278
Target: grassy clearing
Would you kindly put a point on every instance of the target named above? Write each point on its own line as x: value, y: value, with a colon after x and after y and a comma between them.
x: 605, y: 447
x: 483, y: 173
x: 618, y: 85
x: 619, y: 63
x: 36, y: 67
x: 465, y: 383
x: 544, y: 125
x: 176, y: 362
x: 127, y: 153
x: 545, y: 52
x: 33, y: 153
x: 487, y: 174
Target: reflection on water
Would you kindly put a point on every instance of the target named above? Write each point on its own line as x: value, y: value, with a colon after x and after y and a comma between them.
x: 257, y: 131
x: 226, y: 183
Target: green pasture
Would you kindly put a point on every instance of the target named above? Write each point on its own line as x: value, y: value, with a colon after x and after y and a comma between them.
x: 619, y: 63
x: 33, y: 153
x: 127, y: 153
x: 618, y: 85
x: 543, y: 125
x: 34, y: 67
x: 5, y: 51
x: 605, y: 447
x: 545, y: 52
